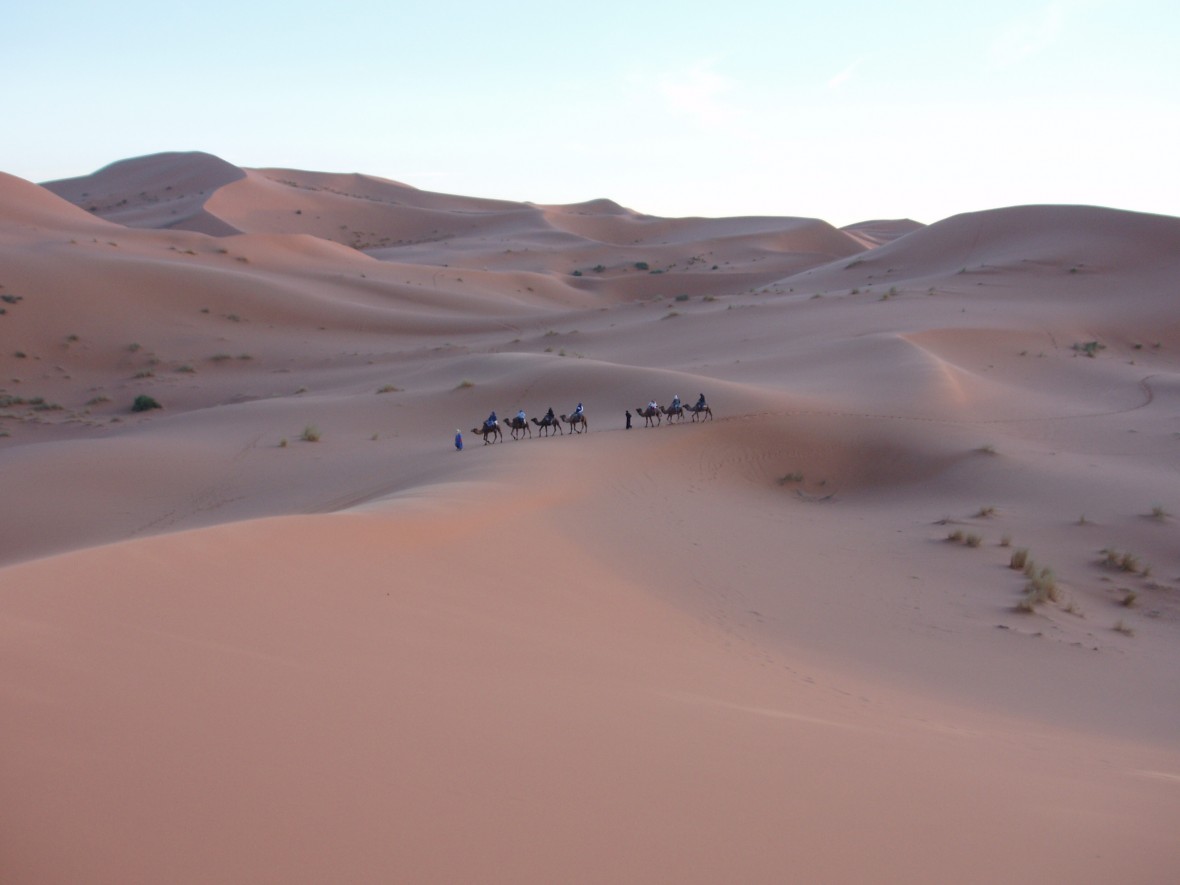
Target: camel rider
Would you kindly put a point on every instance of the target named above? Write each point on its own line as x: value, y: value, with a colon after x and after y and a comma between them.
x: 491, y: 422
x: 701, y: 402
x: 578, y: 411
x: 550, y: 418
x: 520, y: 416
x: 675, y: 403
x: 652, y: 406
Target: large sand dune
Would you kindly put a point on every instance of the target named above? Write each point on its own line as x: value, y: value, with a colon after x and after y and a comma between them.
x: 781, y: 645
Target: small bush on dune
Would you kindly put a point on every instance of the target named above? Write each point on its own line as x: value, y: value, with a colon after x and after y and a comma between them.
x: 311, y: 433
x: 1019, y: 559
x: 144, y: 403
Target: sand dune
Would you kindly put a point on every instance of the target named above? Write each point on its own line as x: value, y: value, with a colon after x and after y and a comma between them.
x: 781, y: 645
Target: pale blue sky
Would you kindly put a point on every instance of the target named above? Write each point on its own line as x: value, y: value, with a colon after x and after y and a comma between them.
x: 857, y: 111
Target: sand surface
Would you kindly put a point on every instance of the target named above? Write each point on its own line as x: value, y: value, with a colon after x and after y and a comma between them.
x: 781, y: 645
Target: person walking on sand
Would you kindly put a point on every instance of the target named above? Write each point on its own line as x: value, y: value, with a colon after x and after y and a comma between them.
x: 458, y: 439
x: 628, y: 414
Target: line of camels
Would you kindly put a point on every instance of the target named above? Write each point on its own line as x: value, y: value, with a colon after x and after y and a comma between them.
x: 552, y: 424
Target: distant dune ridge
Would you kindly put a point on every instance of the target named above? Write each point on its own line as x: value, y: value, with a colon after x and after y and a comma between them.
x: 905, y: 610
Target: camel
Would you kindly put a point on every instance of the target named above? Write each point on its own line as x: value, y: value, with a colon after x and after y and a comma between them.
x: 698, y: 411
x: 548, y: 425
x: 673, y: 412
x: 519, y: 425
x: 650, y: 416
x: 577, y: 423
x: 494, y: 432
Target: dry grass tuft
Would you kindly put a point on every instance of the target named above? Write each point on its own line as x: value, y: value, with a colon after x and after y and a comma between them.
x: 1019, y: 558
x: 1121, y: 626
x: 311, y: 433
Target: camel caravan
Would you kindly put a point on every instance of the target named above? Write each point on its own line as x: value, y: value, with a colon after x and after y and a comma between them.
x: 556, y: 425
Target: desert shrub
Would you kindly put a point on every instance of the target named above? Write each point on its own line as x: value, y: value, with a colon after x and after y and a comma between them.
x: 973, y: 540
x: 985, y: 512
x: 681, y: 297
x: 641, y: 265
x: 1121, y: 626
x: 388, y: 388
x: 1089, y: 348
x: 311, y: 433
x: 956, y: 535
x: 144, y: 403
x: 1019, y: 558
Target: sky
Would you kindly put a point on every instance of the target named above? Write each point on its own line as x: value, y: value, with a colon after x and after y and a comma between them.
x: 842, y: 111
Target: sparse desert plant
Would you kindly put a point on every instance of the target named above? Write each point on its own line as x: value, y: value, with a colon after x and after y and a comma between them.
x: 1121, y: 626
x: 641, y: 265
x: 311, y: 433
x: 973, y: 540
x: 464, y: 384
x: 98, y: 400
x: 283, y: 443
x: 681, y: 297
x: 987, y: 449
x: 985, y: 512
x: 1089, y: 348
x: 797, y: 476
x: 388, y: 388
x: 1040, y: 589
x: 1129, y: 562
x: 144, y: 403
x: 1005, y: 540
x: 1072, y: 608
x: 1129, y: 597
x: 186, y: 369
x: 1019, y: 559
x: 145, y: 373
x: 1110, y: 557
x: 220, y: 357
x: 671, y: 313
x: 955, y: 535
x: 1158, y: 512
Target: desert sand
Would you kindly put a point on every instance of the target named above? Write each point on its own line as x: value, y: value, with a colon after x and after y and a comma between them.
x: 281, y: 630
